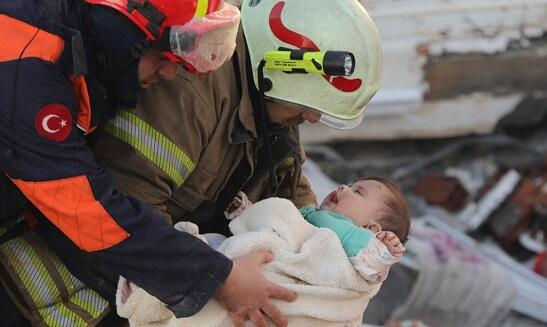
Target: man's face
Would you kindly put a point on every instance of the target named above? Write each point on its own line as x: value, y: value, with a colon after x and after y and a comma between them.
x: 282, y: 114
x: 153, y: 65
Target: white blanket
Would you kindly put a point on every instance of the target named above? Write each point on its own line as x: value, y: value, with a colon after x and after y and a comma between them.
x: 307, y: 260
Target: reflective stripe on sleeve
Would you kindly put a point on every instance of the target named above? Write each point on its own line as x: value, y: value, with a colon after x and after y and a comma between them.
x: 153, y: 145
x: 52, y: 294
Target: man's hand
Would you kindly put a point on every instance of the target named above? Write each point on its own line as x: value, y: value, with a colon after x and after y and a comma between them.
x: 237, y: 206
x: 246, y: 293
x: 392, y: 242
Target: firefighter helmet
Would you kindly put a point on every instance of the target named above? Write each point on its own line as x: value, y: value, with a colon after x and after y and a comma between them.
x: 322, y: 55
x: 199, y: 33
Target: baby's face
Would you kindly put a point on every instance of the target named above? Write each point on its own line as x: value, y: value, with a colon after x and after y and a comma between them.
x: 359, y: 202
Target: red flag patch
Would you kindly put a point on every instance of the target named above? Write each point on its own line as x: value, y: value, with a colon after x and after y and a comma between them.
x: 54, y: 122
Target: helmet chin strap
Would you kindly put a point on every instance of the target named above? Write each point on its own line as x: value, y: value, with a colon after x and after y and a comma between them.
x: 264, y: 121
x: 118, y: 67
x: 121, y: 75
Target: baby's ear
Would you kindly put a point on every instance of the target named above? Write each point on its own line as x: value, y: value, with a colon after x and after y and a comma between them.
x: 375, y: 227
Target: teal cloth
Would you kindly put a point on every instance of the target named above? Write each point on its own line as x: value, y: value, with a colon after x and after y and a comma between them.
x: 352, y: 237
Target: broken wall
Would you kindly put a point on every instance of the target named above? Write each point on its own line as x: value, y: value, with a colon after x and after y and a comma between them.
x: 451, y: 67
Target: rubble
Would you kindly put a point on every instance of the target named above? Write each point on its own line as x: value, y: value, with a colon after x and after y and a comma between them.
x: 485, y: 193
x: 443, y: 191
x: 517, y: 214
x: 540, y: 266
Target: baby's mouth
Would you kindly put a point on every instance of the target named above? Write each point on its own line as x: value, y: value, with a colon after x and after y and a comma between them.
x: 332, y: 197
x: 330, y: 201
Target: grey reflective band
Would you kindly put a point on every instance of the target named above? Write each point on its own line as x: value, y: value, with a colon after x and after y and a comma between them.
x: 47, y: 292
x: 153, y: 145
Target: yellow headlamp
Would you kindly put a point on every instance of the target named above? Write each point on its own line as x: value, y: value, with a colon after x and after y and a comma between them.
x: 332, y: 63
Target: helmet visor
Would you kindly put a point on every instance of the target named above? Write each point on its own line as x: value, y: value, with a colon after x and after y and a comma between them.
x: 325, y: 118
x: 344, y: 124
x: 205, y: 43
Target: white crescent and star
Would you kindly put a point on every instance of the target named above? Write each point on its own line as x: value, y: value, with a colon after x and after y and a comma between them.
x: 46, y: 127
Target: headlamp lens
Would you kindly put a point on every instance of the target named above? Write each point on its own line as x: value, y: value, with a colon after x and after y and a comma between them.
x: 338, y: 63
x: 349, y: 64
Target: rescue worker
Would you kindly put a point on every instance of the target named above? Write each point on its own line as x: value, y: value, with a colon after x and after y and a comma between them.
x: 209, y: 137
x: 65, y: 67
x: 210, y: 141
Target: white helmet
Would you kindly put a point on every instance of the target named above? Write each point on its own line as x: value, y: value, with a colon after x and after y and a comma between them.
x: 322, y: 32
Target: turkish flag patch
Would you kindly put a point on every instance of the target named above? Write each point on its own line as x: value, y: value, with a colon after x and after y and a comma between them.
x: 54, y: 122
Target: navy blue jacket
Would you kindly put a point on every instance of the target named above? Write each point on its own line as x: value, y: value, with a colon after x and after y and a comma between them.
x: 49, y: 99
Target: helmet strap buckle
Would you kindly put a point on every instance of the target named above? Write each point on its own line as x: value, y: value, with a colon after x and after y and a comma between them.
x: 148, y: 11
x: 139, y: 49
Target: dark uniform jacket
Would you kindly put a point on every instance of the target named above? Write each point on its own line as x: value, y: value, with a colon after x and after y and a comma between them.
x: 190, y: 145
x: 48, y: 100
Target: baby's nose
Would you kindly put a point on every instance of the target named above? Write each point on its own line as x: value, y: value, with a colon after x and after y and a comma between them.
x: 342, y: 187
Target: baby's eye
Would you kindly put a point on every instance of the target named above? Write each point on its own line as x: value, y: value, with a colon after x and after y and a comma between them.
x: 357, y: 191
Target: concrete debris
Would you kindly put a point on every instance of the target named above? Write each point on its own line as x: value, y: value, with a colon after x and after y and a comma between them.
x: 443, y: 191
x: 517, y: 214
x: 487, y: 194
x: 540, y: 265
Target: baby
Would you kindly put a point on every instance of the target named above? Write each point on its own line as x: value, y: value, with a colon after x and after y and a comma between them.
x: 364, y: 222
x: 371, y: 206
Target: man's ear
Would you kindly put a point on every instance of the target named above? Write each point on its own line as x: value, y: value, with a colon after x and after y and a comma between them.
x: 375, y: 227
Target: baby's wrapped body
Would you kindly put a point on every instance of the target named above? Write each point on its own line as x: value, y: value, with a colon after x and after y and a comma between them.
x: 333, y: 290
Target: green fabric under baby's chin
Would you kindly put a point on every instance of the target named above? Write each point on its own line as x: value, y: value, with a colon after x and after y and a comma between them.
x: 352, y: 237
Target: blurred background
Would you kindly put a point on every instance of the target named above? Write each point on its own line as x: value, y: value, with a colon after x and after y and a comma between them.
x: 460, y: 124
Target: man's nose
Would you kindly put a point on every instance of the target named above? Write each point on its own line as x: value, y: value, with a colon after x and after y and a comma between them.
x: 168, y: 70
x: 311, y: 116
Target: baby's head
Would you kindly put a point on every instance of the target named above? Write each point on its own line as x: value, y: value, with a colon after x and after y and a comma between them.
x: 374, y: 203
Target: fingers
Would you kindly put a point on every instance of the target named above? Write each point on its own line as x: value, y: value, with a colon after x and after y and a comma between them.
x: 247, y: 294
x: 282, y: 293
x: 261, y: 256
x: 398, y: 246
x: 391, y: 237
x: 236, y: 203
x: 398, y: 250
x: 275, y: 314
x: 392, y: 242
x: 237, y: 319
x: 381, y: 236
x: 258, y: 319
x: 397, y: 254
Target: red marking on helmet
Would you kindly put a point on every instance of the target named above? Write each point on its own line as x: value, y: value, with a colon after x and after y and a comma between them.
x: 214, y: 5
x: 304, y: 43
x: 54, y: 122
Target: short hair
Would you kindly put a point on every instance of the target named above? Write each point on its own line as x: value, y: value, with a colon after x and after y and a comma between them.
x: 395, y: 216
